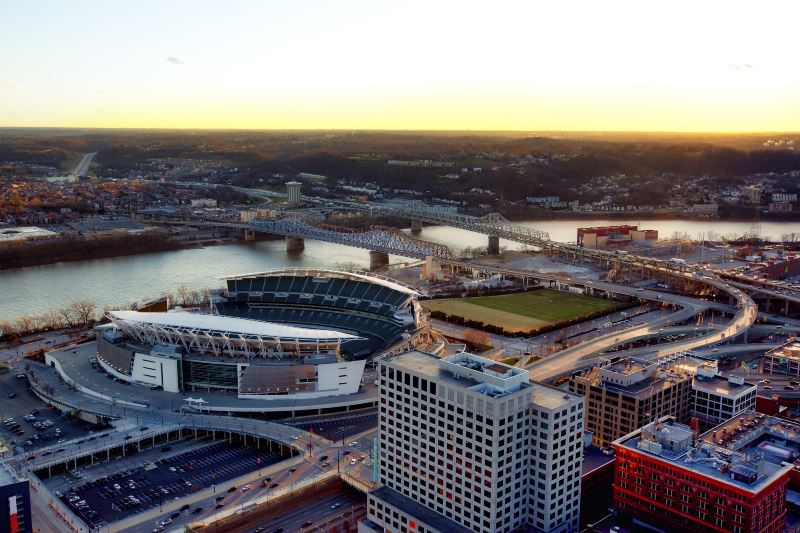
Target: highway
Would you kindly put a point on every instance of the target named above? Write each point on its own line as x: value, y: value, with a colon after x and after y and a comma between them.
x: 83, y: 166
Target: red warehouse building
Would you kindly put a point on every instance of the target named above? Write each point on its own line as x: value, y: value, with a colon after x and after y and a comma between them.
x: 666, y: 475
x: 603, y: 236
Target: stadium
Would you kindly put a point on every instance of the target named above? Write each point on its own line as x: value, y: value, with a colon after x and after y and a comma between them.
x: 295, y: 334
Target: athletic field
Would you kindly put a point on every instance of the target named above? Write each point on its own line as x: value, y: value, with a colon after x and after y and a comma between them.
x: 523, y: 311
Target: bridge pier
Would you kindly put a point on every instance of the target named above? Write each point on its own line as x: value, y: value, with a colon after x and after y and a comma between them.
x: 295, y: 244
x: 494, y: 245
x: 378, y: 260
x: 416, y: 226
x: 249, y: 235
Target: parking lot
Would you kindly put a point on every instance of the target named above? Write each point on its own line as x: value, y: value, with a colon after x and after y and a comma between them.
x: 24, y: 402
x: 122, y: 494
x: 340, y: 429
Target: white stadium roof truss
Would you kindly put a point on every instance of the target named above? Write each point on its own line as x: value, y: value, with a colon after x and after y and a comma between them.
x: 223, y: 342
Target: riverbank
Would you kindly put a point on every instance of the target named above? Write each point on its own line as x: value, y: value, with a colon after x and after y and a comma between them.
x: 66, y: 250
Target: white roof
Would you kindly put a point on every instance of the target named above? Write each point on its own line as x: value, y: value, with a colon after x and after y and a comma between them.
x: 331, y: 274
x: 229, y: 325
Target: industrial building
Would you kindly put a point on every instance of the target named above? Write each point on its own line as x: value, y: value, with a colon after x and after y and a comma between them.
x: 470, y: 444
x: 716, y: 399
x: 604, y: 236
x: 731, y: 479
x: 783, y: 360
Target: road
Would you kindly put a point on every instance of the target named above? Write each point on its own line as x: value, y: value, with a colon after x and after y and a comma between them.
x: 83, y: 166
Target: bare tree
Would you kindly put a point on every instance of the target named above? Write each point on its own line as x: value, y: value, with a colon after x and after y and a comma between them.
x: 194, y: 297
x: 25, y: 325
x: 68, y: 316
x: 477, y: 338
x: 182, y: 294
x: 52, y: 320
x: 84, y: 311
x: 8, y: 328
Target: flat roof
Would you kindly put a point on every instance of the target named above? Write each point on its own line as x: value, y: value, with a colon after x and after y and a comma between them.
x: 23, y: 233
x: 324, y: 273
x: 790, y: 350
x: 551, y: 397
x: 672, y: 443
x: 418, y: 510
x: 226, y: 324
x: 721, y: 386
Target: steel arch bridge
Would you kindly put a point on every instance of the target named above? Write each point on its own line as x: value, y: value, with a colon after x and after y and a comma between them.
x: 493, y: 224
x: 377, y: 238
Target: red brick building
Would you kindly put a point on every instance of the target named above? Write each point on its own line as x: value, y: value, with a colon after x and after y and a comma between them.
x: 668, y: 477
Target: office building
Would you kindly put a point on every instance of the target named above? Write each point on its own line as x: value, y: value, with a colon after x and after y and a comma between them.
x: 665, y: 475
x: 293, y: 192
x: 623, y: 395
x: 470, y: 444
x: 716, y: 399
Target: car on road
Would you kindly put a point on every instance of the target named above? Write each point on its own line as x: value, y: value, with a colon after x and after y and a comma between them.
x: 305, y: 524
x: 197, y: 510
x: 245, y: 488
x: 232, y: 489
x: 12, y: 395
x: 20, y: 376
x: 274, y: 485
x: 352, y: 461
x: 219, y: 506
x: 174, y: 515
x: 292, y: 470
x: 185, y: 507
x: 323, y: 458
x: 294, y: 437
x: 220, y: 498
x: 336, y: 505
x: 354, y: 443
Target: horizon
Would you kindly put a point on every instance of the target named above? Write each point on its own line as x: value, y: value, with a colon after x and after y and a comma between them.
x: 452, y: 67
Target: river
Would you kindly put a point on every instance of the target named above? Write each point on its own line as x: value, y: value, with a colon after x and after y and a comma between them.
x: 122, y: 280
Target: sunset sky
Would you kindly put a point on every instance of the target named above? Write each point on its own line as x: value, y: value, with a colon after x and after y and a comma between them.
x: 532, y: 66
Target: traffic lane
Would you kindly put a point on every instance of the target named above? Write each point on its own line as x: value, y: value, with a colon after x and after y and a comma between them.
x: 312, y: 510
x: 234, y: 498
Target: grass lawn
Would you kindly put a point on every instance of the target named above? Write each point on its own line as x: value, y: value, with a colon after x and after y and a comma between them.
x: 523, y: 311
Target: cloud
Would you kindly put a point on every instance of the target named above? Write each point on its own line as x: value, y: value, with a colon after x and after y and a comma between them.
x: 104, y: 112
x: 175, y: 60
x: 102, y: 91
x: 642, y: 86
x: 11, y: 86
x: 741, y: 66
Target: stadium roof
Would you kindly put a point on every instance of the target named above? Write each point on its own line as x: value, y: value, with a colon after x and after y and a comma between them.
x: 226, y: 324
x: 322, y: 273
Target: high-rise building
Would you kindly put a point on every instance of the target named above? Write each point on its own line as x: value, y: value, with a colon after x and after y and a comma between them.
x: 470, y: 444
x: 726, y: 481
x: 623, y: 395
x: 783, y: 360
x: 15, y: 502
x: 293, y: 192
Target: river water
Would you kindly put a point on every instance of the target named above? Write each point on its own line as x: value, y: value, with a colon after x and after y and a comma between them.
x: 122, y: 280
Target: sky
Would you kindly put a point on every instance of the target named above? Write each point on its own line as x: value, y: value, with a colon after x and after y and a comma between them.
x: 701, y: 65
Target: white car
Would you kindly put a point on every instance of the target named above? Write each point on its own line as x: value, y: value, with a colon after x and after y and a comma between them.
x: 294, y: 437
x: 353, y: 444
x: 352, y: 461
x: 245, y: 488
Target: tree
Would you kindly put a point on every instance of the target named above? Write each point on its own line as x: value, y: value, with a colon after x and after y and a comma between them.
x: 182, y: 293
x: 83, y: 311
x: 25, y: 325
x: 477, y: 338
x: 52, y: 320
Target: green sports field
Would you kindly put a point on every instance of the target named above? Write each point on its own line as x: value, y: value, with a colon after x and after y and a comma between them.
x: 522, y: 311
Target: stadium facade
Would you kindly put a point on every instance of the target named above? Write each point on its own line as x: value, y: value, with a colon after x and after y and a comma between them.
x: 297, y: 333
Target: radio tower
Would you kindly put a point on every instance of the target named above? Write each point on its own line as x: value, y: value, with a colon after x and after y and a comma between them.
x: 755, y: 227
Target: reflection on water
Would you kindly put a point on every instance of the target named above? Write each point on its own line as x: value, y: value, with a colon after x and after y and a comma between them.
x: 119, y: 281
